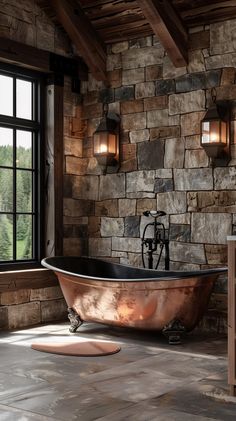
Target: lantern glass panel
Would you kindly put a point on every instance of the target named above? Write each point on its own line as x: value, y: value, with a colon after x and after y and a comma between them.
x: 112, y: 144
x: 100, y: 140
x: 224, y: 132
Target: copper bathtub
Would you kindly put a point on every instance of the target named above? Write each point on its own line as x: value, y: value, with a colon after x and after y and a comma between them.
x: 119, y: 295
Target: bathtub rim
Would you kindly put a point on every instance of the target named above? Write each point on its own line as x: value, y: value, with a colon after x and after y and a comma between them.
x: 179, y: 274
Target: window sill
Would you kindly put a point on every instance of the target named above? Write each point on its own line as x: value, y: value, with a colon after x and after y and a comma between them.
x: 13, y: 280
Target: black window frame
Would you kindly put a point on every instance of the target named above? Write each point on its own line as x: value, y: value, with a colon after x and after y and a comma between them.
x: 36, y: 126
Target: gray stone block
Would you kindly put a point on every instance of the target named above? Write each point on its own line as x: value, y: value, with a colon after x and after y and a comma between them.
x: 211, y: 228
x: 124, y: 93
x: 163, y: 185
x: 132, y: 224
x: 151, y: 155
x: 187, y: 102
x: 179, y: 233
x: 112, y: 227
x: 106, y: 95
x: 187, y: 252
x: 85, y: 187
x: 112, y: 186
x: 174, y: 153
x: 165, y: 87
x: 225, y: 178
x: 129, y: 244
x: 193, y: 179
x: 172, y: 202
x: 100, y: 247
x: 195, y: 81
x: 140, y: 181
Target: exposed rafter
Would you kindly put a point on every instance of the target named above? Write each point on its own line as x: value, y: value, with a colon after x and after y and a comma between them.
x: 168, y: 28
x: 83, y: 35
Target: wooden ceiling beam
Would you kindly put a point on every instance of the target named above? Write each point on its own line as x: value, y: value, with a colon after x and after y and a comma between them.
x: 169, y: 29
x: 83, y: 35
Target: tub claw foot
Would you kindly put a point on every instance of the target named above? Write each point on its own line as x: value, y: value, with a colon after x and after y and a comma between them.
x: 174, y: 332
x: 75, y: 320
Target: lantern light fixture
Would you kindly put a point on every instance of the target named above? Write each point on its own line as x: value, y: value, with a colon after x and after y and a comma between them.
x: 215, y: 130
x: 106, y: 140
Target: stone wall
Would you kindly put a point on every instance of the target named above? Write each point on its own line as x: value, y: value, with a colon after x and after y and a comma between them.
x: 162, y: 163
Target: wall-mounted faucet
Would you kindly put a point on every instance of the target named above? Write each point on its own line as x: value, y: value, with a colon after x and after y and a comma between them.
x: 158, y: 239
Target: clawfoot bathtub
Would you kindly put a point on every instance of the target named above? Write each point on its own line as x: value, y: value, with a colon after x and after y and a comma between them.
x: 119, y: 295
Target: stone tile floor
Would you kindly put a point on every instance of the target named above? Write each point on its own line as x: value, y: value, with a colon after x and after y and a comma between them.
x: 147, y: 380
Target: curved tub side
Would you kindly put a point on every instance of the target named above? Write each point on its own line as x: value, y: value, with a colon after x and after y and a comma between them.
x: 147, y: 305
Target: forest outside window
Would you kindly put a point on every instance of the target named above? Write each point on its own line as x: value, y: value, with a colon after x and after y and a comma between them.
x: 20, y: 151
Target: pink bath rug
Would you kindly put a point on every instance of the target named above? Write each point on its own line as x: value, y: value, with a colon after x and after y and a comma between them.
x: 80, y: 349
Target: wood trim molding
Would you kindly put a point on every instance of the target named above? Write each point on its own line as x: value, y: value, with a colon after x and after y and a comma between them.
x: 168, y: 28
x: 83, y: 35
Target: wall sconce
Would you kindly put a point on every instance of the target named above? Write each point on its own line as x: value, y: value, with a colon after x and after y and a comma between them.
x: 215, y: 131
x: 106, y: 140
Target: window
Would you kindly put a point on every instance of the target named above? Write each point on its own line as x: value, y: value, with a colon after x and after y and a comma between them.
x: 20, y: 152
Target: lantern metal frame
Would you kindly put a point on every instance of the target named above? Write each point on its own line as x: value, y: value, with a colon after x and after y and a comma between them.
x: 109, y: 125
x: 218, y: 150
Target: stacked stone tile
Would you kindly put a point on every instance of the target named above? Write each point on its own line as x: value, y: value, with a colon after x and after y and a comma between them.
x: 162, y: 163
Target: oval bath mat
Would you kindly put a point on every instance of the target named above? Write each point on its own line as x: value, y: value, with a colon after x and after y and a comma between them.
x: 80, y: 349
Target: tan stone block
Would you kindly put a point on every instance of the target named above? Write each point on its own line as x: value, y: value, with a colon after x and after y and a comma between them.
x: 119, y: 47
x: 113, y: 62
x: 114, y: 78
x: 199, y: 40
x: 153, y: 72
x: 190, y: 123
x: 137, y: 136
x: 53, y: 310
x: 91, y: 97
x: 145, y: 204
x: 129, y: 165
x: 76, y: 166
x: 22, y: 315
x: 92, y: 110
x: 216, y: 254
x: 228, y: 76
x: 107, y: 208
x: 164, y: 132
x: 226, y: 92
x: 146, y: 57
x: 100, y: 247
x: 73, y: 146
x: 196, y: 61
x: 145, y: 89
x: 127, y: 207
x: 161, y: 118
x: 133, y: 76
x: 192, y: 142
x: 154, y: 103
x: 15, y: 297
x: 128, y: 151
x: 75, y: 247
x: 92, y: 126
x: 196, y: 159
x: 135, y: 106
x: 187, y: 102
x: 135, y: 121
x: 44, y: 294
x: 94, y: 226
x: 111, y: 227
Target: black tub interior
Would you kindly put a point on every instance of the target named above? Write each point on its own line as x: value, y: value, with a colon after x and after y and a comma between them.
x: 87, y: 266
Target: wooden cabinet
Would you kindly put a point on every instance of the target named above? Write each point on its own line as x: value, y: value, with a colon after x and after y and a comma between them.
x: 232, y: 314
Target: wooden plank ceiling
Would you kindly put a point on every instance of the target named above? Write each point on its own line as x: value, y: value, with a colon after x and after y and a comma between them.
x: 109, y: 21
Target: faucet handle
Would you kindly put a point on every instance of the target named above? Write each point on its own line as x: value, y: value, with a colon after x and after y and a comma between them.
x: 154, y: 214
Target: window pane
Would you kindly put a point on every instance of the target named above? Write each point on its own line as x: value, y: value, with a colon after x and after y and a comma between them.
x: 23, y: 149
x: 23, y: 99
x: 23, y: 191
x: 6, y: 190
x: 6, y: 147
x: 24, y: 237
x: 6, y: 237
x: 6, y: 95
